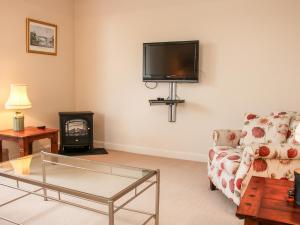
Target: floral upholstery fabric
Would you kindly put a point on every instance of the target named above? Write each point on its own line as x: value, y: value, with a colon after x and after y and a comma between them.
x: 231, y: 167
x: 226, y: 137
x: 295, y: 120
x: 276, y: 168
x: 277, y: 151
x: 239, y: 180
x: 226, y: 158
x: 265, y: 129
x: 222, y: 167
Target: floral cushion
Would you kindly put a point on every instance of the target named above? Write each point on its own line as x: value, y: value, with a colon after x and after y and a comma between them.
x: 265, y: 129
x: 295, y: 121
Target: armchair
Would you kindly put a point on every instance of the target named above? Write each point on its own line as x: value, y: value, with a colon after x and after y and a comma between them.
x: 231, y: 165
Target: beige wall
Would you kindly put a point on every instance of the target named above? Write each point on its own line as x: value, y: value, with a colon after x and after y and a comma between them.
x: 250, y: 57
x: 50, y: 78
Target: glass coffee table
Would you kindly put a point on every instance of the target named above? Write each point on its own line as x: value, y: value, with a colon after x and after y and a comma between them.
x: 110, y: 185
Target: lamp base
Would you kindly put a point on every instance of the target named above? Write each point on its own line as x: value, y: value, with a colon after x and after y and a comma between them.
x: 18, y: 121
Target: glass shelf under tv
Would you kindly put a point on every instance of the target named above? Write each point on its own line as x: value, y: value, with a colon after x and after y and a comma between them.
x: 165, y: 102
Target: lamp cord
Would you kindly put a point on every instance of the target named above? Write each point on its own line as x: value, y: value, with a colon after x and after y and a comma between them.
x: 147, y: 86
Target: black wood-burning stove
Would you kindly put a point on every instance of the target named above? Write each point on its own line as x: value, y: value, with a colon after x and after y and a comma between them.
x: 76, y: 131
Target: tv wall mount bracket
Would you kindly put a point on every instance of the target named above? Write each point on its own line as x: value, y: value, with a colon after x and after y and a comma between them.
x: 171, y: 101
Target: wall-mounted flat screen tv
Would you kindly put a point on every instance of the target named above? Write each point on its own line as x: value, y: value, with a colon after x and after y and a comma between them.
x: 171, y: 61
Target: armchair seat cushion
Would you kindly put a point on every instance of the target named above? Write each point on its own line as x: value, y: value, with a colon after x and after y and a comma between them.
x: 226, y: 158
x: 277, y: 151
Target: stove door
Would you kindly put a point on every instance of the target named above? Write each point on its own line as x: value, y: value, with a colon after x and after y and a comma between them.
x: 76, y: 127
x: 76, y: 132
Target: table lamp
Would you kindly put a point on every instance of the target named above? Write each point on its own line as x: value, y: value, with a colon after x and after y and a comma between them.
x: 297, y: 171
x: 18, y: 100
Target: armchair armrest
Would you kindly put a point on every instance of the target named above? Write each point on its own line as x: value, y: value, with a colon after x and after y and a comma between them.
x: 277, y: 151
x: 242, y: 175
x: 223, y: 137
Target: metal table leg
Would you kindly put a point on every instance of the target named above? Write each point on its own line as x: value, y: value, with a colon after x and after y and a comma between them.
x: 111, y: 212
x: 157, y: 197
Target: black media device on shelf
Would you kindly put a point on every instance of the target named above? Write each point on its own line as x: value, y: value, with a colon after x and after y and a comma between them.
x: 76, y: 133
x: 171, y: 61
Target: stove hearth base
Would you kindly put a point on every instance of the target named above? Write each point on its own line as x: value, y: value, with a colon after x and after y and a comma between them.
x: 83, y: 151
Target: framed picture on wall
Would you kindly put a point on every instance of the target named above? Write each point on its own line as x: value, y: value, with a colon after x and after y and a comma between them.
x: 41, y: 37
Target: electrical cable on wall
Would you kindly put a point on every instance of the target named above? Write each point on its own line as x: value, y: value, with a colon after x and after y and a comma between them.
x: 155, y: 85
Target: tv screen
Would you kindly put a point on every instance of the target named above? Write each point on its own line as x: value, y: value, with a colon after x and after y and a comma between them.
x: 171, y: 61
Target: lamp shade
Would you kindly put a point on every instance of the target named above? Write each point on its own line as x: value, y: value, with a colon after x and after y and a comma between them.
x: 297, y: 133
x: 18, y: 98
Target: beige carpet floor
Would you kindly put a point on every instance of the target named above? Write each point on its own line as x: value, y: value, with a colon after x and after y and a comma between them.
x: 185, y: 198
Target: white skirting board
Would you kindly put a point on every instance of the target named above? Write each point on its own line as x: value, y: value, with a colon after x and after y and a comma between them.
x: 152, y: 151
x: 145, y: 151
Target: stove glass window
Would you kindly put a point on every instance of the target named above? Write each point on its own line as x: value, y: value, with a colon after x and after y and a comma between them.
x: 77, y: 127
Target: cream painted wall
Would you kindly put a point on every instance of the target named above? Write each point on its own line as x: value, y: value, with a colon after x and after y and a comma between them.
x: 50, y: 78
x: 250, y: 57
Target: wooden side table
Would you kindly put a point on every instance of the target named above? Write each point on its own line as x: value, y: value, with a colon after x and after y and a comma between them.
x: 27, y: 137
x: 265, y: 202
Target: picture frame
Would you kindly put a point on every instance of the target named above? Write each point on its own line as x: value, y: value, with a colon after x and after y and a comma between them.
x: 41, y: 37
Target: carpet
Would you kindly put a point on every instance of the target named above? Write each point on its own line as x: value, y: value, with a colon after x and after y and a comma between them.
x: 185, y: 198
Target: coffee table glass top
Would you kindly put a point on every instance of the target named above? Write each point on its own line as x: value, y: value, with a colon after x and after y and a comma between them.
x: 88, y: 176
